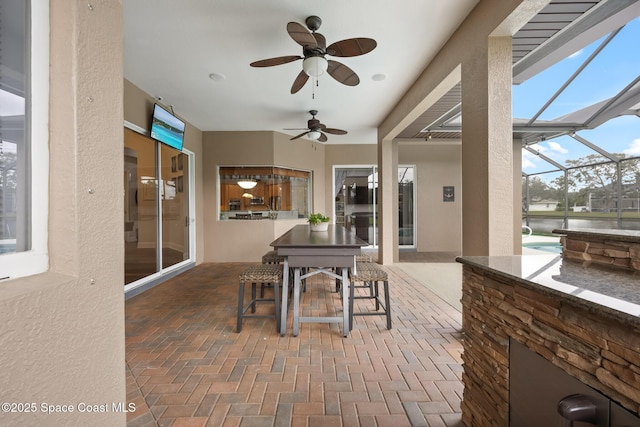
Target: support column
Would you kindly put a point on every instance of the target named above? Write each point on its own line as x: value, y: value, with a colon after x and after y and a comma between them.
x: 517, y: 197
x: 388, y: 251
x: 487, y: 151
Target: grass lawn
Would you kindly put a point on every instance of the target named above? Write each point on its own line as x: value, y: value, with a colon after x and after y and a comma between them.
x: 585, y: 215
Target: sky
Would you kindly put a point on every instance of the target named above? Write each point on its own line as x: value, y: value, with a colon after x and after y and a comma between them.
x: 614, y: 68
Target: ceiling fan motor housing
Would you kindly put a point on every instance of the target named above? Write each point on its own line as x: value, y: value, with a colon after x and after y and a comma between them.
x: 313, y: 22
x: 313, y: 124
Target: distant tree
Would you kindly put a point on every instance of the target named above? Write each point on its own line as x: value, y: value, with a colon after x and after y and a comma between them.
x: 538, y: 190
x: 589, y: 174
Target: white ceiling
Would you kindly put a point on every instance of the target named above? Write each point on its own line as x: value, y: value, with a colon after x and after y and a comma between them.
x: 171, y: 47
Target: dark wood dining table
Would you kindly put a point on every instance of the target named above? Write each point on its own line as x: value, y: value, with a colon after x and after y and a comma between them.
x: 308, y: 253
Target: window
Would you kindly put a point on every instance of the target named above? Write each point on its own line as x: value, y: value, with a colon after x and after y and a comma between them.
x: 264, y: 192
x: 24, y: 100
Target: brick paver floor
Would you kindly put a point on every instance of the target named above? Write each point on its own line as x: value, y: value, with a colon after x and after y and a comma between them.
x: 186, y: 365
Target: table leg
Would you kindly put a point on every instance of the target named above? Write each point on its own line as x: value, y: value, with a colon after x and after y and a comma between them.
x: 296, y: 301
x: 346, y: 327
x: 285, y: 295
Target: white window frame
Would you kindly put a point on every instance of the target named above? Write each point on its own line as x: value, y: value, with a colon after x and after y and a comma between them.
x: 36, y: 260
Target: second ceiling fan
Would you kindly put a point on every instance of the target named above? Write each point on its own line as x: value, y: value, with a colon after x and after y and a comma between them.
x: 314, y: 50
x: 316, y: 130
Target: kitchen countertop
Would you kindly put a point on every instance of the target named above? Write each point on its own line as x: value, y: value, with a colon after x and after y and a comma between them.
x: 614, y: 293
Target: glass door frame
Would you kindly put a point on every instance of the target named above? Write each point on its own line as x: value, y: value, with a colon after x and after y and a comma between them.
x: 374, y: 170
x: 162, y: 274
x: 414, y: 196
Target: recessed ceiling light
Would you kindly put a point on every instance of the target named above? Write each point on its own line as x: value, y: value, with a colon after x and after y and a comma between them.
x: 217, y: 77
x: 378, y: 77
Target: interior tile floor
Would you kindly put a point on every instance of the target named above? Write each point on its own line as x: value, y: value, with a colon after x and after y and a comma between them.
x: 187, y: 366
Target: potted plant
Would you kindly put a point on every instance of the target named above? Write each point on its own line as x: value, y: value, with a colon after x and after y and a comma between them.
x: 318, y: 222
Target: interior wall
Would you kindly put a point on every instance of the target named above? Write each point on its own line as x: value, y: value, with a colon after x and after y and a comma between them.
x: 246, y: 240
x: 62, y: 332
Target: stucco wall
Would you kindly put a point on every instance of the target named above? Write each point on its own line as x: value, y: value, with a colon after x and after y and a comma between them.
x: 439, y: 223
x: 62, y: 332
x: 235, y: 241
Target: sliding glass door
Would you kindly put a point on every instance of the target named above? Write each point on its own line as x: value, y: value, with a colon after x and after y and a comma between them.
x: 157, y: 233
x: 355, y: 190
x: 406, y: 211
x: 356, y: 202
x: 174, y: 199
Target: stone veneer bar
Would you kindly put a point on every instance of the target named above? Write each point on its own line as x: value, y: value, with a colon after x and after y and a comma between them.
x: 586, y: 321
x: 617, y: 248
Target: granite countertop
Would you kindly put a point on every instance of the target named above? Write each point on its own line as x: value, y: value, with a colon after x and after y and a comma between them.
x: 632, y: 236
x: 602, y: 290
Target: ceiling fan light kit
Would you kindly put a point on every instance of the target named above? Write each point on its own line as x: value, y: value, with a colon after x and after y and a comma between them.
x: 314, y: 135
x: 315, y: 66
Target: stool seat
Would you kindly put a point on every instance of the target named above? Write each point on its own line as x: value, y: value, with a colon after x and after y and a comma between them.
x: 367, y: 272
x: 370, y: 274
x: 359, y: 258
x: 364, y: 258
x: 272, y: 257
x: 260, y: 273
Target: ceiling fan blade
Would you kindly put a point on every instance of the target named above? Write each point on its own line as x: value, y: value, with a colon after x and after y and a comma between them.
x: 301, y: 135
x: 322, y: 137
x: 335, y: 131
x: 343, y: 74
x: 352, y: 47
x: 275, y: 61
x: 320, y: 40
x: 301, y: 35
x: 299, y: 82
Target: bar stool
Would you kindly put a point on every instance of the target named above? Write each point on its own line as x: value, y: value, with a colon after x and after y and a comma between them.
x: 272, y: 257
x: 369, y: 273
x: 359, y: 258
x: 261, y: 273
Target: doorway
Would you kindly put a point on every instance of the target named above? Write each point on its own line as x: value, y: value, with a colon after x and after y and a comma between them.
x: 158, y: 236
x: 356, y: 202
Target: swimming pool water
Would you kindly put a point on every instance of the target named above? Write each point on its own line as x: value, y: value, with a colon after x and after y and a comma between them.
x: 555, y: 248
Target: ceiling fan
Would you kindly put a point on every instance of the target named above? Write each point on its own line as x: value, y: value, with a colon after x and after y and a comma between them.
x: 316, y: 130
x: 314, y: 50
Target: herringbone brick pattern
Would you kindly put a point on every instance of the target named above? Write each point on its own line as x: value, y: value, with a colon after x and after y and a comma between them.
x: 186, y: 365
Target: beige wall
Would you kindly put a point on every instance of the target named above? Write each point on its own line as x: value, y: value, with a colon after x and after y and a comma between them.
x: 62, y: 332
x: 439, y: 224
x: 235, y: 241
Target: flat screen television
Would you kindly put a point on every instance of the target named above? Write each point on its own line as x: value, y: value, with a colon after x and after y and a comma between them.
x: 167, y: 128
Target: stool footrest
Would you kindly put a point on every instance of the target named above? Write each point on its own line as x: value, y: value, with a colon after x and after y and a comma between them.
x: 371, y: 274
